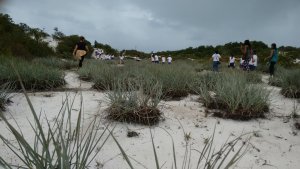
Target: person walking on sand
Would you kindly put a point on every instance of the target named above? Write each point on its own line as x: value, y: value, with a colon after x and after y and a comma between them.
x: 80, y: 50
x: 231, y: 61
x: 216, y: 61
x: 273, y: 59
x: 253, y: 61
x: 247, y: 54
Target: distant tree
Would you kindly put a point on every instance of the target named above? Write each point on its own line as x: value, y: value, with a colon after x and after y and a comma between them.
x: 38, y: 34
x: 58, y: 35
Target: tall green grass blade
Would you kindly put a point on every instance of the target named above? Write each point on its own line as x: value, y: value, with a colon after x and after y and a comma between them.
x: 122, y: 151
x: 154, y: 150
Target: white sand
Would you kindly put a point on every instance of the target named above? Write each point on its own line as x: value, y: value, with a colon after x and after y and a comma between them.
x: 277, y: 144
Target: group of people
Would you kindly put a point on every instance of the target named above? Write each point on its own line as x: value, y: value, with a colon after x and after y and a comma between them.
x: 99, y: 54
x: 252, y: 62
x: 248, y: 61
x: 155, y: 59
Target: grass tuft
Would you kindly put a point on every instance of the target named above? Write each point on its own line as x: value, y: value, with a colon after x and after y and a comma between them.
x: 132, y: 106
x: 232, y: 94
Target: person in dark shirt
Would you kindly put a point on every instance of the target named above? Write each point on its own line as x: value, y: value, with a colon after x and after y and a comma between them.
x: 80, y: 50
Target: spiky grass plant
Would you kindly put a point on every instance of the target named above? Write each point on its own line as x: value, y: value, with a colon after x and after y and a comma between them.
x: 58, y: 144
x: 132, y: 106
x: 291, y: 84
x: 235, y: 96
x: 35, y: 76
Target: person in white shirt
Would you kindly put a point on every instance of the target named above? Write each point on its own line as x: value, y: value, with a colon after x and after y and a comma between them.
x: 216, y: 61
x: 152, y: 57
x: 241, y: 62
x: 156, y: 60
x: 253, y: 61
x: 169, y: 58
x: 231, y: 61
x: 163, y: 59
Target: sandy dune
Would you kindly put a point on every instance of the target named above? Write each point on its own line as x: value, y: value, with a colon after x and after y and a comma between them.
x: 275, y: 144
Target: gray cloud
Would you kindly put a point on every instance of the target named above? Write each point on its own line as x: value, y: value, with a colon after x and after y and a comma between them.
x: 164, y: 24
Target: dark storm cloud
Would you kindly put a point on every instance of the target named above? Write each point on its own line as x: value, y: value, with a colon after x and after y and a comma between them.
x: 164, y: 24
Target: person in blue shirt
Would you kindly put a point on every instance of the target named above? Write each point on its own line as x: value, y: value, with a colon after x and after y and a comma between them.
x: 273, y: 59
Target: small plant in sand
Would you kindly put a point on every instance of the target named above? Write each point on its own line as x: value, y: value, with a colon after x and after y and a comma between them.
x: 133, y: 106
x: 5, y: 90
x: 235, y: 96
x: 57, y: 144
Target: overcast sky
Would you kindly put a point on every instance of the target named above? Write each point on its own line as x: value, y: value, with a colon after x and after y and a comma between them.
x: 155, y: 25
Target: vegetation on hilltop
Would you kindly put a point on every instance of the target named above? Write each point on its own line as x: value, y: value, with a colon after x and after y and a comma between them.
x: 21, y: 40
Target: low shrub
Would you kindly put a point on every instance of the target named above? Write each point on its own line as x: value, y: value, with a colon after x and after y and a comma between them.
x: 235, y: 96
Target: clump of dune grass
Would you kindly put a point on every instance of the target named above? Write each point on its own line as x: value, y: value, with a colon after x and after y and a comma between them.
x: 291, y: 84
x: 133, y: 106
x: 35, y: 76
x: 234, y: 96
x: 175, y: 79
x: 58, y: 143
x: 5, y: 90
x: 277, y: 79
